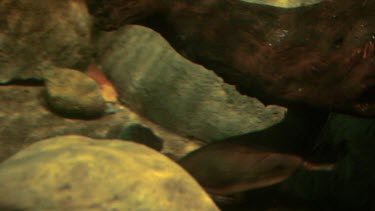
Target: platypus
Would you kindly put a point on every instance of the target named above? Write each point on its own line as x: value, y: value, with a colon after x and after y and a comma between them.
x: 262, y: 158
x: 321, y: 55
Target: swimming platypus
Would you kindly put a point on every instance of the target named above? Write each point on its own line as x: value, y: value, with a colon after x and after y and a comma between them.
x: 321, y: 55
x: 262, y: 158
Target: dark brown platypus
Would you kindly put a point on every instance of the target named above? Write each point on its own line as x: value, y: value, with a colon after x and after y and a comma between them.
x: 261, y: 158
x: 322, y: 55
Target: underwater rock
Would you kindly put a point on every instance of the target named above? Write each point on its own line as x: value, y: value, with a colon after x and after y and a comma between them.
x: 155, y: 81
x: 73, y: 94
x: 322, y: 55
x: 24, y: 119
x: 37, y: 35
x: 137, y: 132
x: 79, y: 173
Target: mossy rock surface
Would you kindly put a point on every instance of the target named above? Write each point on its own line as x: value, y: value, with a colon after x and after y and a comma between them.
x: 37, y: 35
x: 73, y: 94
x: 159, y: 84
x: 79, y: 173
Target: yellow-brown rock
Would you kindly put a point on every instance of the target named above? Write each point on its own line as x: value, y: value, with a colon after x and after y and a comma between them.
x: 79, y: 173
x: 73, y: 94
x: 37, y: 35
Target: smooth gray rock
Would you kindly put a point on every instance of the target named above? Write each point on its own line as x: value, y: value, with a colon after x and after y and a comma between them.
x: 161, y: 85
x: 37, y: 35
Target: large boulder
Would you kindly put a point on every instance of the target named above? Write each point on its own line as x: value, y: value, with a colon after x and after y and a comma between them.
x: 79, y: 173
x: 158, y: 83
x: 35, y: 35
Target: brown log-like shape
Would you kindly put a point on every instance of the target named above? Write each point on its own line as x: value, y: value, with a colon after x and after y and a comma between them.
x: 321, y: 55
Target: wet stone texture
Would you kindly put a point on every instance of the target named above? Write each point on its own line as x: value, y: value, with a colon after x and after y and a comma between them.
x: 35, y: 35
x: 25, y: 118
x: 158, y: 83
x: 73, y: 94
x: 79, y: 173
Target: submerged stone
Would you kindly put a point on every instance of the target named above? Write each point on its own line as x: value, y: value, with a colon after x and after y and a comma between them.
x: 73, y: 94
x: 43, y: 34
x: 78, y: 173
x: 155, y: 81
